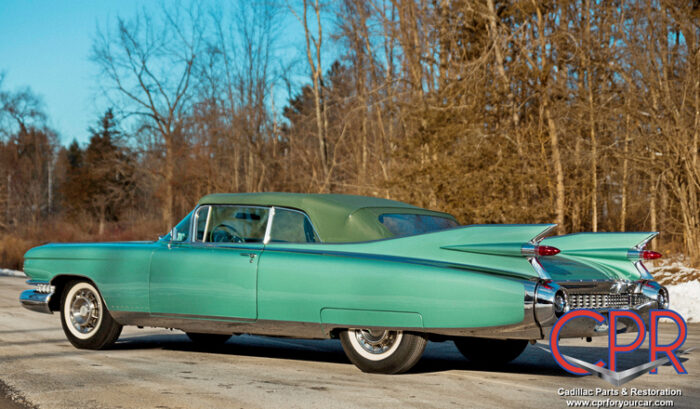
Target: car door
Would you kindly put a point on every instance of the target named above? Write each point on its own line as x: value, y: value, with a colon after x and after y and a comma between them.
x: 213, y: 271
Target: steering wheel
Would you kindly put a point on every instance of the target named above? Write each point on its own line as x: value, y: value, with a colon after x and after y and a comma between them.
x: 225, y: 233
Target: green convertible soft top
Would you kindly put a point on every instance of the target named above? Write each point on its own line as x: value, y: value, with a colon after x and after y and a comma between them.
x: 337, y: 218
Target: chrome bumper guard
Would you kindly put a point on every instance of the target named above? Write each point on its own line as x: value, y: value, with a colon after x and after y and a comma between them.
x: 37, y: 299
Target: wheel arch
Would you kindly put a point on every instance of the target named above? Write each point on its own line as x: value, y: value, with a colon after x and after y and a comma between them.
x: 60, y: 281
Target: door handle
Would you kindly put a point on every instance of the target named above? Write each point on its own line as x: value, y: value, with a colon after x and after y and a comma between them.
x: 251, y: 255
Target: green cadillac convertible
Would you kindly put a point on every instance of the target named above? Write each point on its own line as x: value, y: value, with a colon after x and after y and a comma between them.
x: 383, y: 276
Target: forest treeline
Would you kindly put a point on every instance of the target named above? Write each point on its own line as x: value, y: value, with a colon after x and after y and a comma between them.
x: 584, y: 113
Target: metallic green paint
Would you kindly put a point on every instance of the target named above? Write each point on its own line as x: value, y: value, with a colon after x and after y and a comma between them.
x: 120, y: 270
x: 296, y: 287
x: 465, y: 277
x: 199, y: 279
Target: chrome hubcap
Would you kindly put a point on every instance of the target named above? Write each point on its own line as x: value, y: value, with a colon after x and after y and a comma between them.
x: 375, y: 342
x: 84, y: 311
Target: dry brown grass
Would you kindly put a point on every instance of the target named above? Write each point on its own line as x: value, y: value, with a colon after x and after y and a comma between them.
x: 13, y: 244
x: 12, y: 251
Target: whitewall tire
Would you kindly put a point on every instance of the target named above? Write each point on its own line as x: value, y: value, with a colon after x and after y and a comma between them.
x: 85, y: 318
x: 383, y: 351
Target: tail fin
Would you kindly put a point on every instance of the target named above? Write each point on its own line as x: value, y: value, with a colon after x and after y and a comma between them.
x: 501, y: 239
x: 617, y: 255
x: 619, y: 246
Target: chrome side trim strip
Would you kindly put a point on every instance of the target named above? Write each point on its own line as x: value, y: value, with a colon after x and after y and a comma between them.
x: 220, y: 325
x: 398, y: 259
x: 201, y: 317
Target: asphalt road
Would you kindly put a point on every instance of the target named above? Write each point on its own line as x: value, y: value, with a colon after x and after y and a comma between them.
x: 153, y: 368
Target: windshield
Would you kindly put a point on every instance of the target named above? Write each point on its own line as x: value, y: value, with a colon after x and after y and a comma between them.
x: 401, y: 224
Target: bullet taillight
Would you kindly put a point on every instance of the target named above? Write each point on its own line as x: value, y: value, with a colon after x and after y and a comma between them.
x: 649, y: 255
x: 546, y: 250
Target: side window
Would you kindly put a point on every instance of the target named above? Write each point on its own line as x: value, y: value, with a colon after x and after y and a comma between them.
x: 289, y: 226
x: 234, y: 224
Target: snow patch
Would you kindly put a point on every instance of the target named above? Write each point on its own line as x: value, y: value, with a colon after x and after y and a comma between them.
x: 674, y: 272
x: 11, y: 273
x: 683, y: 285
x: 685, y: 299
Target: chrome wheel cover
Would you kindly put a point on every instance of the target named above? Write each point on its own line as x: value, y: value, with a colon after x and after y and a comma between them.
x: 375, y: 345
x: 85, y: 311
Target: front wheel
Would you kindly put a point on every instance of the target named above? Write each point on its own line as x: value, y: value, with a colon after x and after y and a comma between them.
x: 382, y: 351
x: 484, y: 351
x: 85, y: 319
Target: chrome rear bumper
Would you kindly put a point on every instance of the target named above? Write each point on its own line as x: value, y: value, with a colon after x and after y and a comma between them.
x: 36, y: 301
x: 586, y: 327
x: 639, y: 297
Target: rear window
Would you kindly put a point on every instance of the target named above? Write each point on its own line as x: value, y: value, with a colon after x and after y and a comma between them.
x: 402, y: 224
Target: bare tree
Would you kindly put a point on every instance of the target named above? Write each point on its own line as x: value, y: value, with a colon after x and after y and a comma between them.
x: 313, y: 45
x: 29, y: 158
x: 149, y: 63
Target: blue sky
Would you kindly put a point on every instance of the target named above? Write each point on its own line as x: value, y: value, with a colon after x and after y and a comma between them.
x: 46, y: 45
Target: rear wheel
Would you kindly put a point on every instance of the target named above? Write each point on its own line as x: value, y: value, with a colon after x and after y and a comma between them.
x: 382, y: 351
x: 490, y: 351
x: 85, y: 318
x: 208, y: 339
